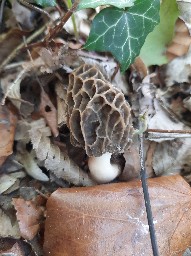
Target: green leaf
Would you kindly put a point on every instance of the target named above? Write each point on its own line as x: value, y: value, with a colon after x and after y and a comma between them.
x: 95, y: 3
x: 46, y: 3
x: 123, y: 32
x: 152, y: 52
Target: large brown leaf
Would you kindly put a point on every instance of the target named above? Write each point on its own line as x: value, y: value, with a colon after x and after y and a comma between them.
x: 111, y: 219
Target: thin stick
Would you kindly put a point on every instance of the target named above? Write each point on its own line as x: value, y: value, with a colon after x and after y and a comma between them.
x: 1, y: 11
x: 34, y: 7
x: 147, y: 199
x: 169, y: 131
x: 58, y: 28
x: 13, y: 54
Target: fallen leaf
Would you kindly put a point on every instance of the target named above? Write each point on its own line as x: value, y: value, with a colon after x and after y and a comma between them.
x: 28, y: 216
x: 111, y: 219
x: 12, y: 91
x: 181, y: 41
x: 172, y: 157
x: 6, y: 181
x: 7, y: 131
x: 61, y: 92
x: 178, y: 70
x: 7, y: 227
x: 54, y: 160
x: 49, y: 112
x: 31, y: 166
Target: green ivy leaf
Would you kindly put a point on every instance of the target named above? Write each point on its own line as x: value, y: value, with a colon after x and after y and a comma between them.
x: 46, y: 3
x: 95, y: 3
x: 123, y: 32
x: 153, y: 50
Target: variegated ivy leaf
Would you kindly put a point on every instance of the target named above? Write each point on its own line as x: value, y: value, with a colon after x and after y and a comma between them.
x: 94, y: 3
x: 123, y: 32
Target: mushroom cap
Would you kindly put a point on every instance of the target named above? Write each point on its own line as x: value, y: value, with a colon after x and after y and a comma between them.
x: 99, y: 117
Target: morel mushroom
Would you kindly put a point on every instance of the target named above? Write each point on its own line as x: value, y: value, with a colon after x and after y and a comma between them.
x: 99, y: 120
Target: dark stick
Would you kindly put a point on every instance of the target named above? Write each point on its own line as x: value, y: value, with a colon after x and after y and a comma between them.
x: 147, y: 199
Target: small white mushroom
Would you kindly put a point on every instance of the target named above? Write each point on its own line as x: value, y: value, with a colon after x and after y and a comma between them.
x: 101, y: 168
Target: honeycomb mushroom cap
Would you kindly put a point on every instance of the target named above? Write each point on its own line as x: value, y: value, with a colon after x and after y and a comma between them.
x: 99, y: 117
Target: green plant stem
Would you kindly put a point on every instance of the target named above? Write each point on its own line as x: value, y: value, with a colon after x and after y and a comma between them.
x: 69, y: 5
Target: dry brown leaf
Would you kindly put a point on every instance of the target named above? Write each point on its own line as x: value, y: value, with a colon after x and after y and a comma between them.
x: 12, y: 90
x: 6, y: 181
x: 9, y: 41
x: 61, y: 104
x: 181, y: 41
x: 7, y: 227
x: 111, y: 219
x: 7, y: 131
x: 171, y: 157
x: 178, y: 70
x: 28, y: 216
x: 49, y: 112
x: 54, y: 160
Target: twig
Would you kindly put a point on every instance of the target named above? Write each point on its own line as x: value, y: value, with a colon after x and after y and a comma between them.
x: 144, y: 182
x: 64, y: 19
x: 147, y: 199
x: 33, y: 7
x: 169, y: 131
x: 1, y: 11
x: 13, y: 54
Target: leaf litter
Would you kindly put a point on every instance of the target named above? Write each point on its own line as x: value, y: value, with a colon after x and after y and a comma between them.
x: 37, y: 157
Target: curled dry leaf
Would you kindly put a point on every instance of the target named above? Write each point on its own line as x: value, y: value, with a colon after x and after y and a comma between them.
x: 28, y: 216
x: 12, y: 91
x: 8, y: 227
x: 7, y: 131
x: 31, y: 166
x: 54, y: 160
x: 6, y: 181
x: 172, y: 157
x: 111, y: 219
x: 181, y: 41
x: 178, y: 70
x: 49, y: 112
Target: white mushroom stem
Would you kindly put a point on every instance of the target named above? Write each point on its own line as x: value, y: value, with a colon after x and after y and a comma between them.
x: 101, y: 168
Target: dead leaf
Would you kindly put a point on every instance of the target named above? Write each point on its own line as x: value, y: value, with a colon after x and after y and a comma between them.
x: 54, y: 160
x: 111, y: 219
x: 12, y: 91
x: 28, y: 216
x: 9, y: 41
x: 6, y: 181
x: 180, y: 43
x: 61, y: 92
x: 171, y: 157
x: 31, y: 166
x: 7, y: 131
x: 49, y: 112
x: 7, y: 227
x: 178, y: 70
x: 23, y: 15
